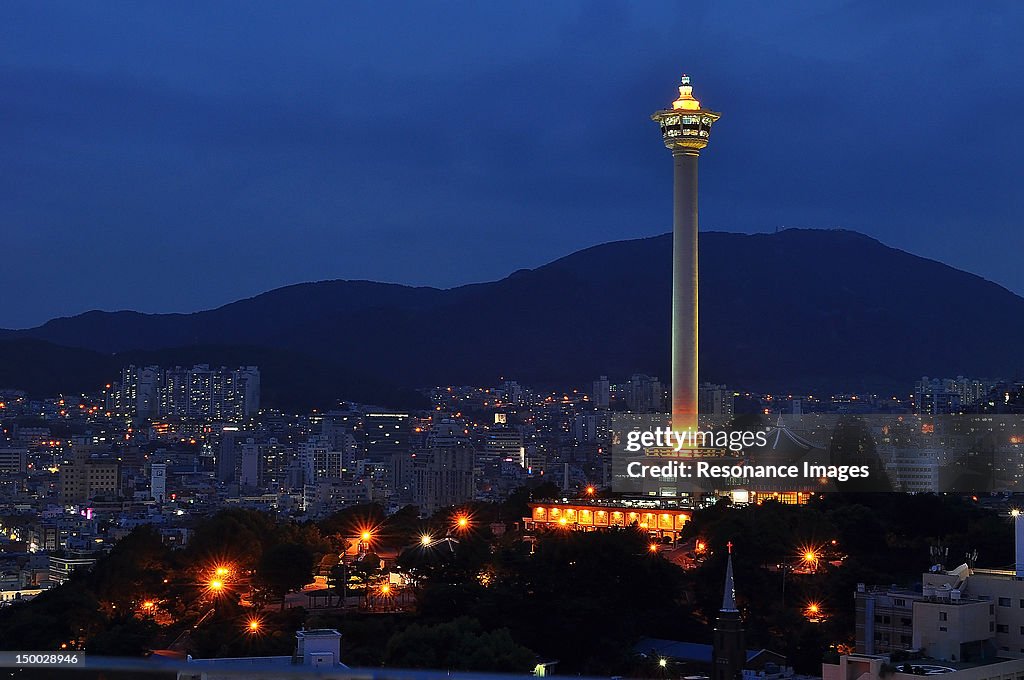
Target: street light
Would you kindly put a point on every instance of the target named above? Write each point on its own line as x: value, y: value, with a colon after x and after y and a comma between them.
x: 254, y: 625
x: 426, y: 540
x: 216, y: 585
x: 653, y: 547
x: 813, y: 612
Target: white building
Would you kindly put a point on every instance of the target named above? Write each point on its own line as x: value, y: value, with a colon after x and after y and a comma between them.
x: 158, y: 482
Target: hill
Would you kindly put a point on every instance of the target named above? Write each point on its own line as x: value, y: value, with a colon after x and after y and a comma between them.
x: 798, y: 310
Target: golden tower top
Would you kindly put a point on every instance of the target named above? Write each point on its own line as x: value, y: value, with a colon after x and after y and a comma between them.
x: 686, y: 127
x: 686, y: 102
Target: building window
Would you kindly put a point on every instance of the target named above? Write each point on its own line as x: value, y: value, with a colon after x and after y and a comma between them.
x: 991, y: 610
x: 943, y: 616
x: 991, y: 626
x: 1004, y: 602
x: 942, y: 629
x: 1002, y: 628
x: 900, y: 603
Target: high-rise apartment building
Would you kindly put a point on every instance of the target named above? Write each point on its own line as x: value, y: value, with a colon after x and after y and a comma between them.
x: 644, y: 394
x: 138, y: 392
x: 443, y: 477
x: 716, y: 403
x: 197, y: 392
x: 602, y: 392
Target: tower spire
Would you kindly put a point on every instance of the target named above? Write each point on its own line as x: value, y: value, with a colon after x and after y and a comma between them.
x: 729, y: 596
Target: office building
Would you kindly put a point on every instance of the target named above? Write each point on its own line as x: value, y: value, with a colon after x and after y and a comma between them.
x: 13, y: 461
x: 85, y: 475
x: 385, y: 434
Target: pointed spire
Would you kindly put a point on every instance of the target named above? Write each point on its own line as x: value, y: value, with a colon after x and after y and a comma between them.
x: 729, y: 596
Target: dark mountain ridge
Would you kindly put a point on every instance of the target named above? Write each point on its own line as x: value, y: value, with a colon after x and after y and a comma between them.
x: 798, y: 309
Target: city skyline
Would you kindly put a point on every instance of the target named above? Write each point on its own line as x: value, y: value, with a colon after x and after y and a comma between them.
x: 271, y: 138
x: 354, y: 340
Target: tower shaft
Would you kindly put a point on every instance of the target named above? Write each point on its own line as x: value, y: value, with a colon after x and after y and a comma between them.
x: 684, y: 290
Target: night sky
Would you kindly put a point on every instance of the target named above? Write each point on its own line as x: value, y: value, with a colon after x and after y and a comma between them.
x: 178, y: 156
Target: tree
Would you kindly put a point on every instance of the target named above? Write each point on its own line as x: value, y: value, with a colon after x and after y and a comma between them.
x: 461, y: 644
x: 134, y: 569
x: 337, y: 582
x: 126, y: 637
x: 237, y: 535
x: 283, y: 568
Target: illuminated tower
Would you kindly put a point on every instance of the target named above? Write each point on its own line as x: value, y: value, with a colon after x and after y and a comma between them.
x: 685, y: 128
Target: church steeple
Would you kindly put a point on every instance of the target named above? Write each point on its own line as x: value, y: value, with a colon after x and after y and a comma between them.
x: 729, y: 594
x: 730, y: 651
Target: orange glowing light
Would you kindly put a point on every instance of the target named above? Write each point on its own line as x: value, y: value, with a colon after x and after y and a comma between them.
x: 591, y: 490
x: 216, y: 584
x: 813, y: 612
x: 148, y: 604
x: 222, y: 571
x: 385, y: 589
x: 563, y: 521
x: 653, y: 547
x: 462, y: 521
x: 254, y: 625
x: 366, y: 535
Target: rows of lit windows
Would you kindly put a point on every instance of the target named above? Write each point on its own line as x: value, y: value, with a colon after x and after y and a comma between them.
x: 587, y: 517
